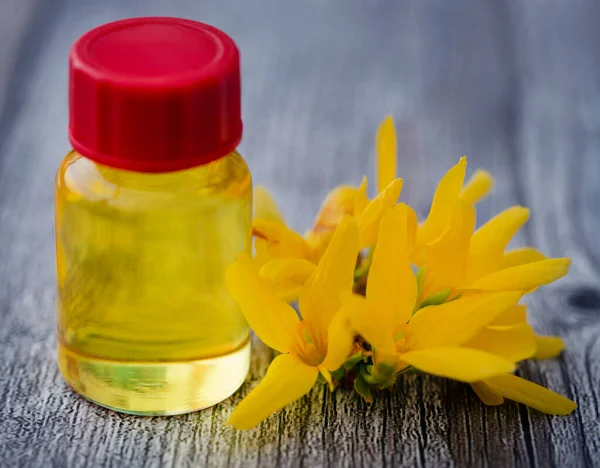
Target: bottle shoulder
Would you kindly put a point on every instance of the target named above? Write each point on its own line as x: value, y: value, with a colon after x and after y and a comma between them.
x: 81, y: 177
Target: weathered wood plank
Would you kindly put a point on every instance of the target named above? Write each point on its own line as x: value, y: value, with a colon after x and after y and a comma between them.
x: 14, y: 24
x: 514, y: 86
x: 557, y: 166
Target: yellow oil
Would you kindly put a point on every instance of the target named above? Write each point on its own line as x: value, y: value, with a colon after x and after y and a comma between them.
x: 145, y: 322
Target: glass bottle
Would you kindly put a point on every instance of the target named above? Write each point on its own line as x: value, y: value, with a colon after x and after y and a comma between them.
x: 152, y: 205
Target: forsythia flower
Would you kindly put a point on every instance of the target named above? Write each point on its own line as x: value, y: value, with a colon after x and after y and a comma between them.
x: 284, y: 242
x: 451, y: 340
x: 460, y: 260
x: 380, y: 294
x: 456, y: 259
x: 448, y: 195
x: 430, y: 340
x: 287, y: 255
x: 317, y: 343
x: 511, y: 337
x: 294, y: 253
x: 349, y: 200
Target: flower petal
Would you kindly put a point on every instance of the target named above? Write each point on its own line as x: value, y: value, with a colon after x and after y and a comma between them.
x: 391, y: 283
x: 523, y: 277
x: 318, y: 242
x: 521, y: 256
x: 442, y: 206
x: 516, y: 315
x: 287, y: 276
x: 466, y: 365
x: 287, y: 380
x: 340, y: 339
x: 264, y: 205
x: 288, y: 292
x: 281, y: 270
x: 548, y: 347
x: 282, y: 242
x: 274, y: 321
x: 486, y: 394
x: 490, y: 240
x: 478, y: 186
x: 339, y: 202
x: 370, y: 322
x: 412, y: 223
x: 458, y: 321
x: 320, y: 298
x: 361, y: 199
x: 385, y: 144
x: 514, y: 343
x: 370, y: 218
x: 446, y: 258
x: 533, y: 395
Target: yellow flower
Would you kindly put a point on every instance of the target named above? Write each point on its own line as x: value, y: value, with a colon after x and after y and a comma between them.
x: 509, y: 336
x: 448, y: 195
x: 475, y: 339
x: 432, y: 340
x: 287, y: 258
x: 276, y: 240
x: 292, y: 252
x: 350, y: 200
x: 341, y: 201
x: 368, y: 214
x: 459, y: 259
x: 317, y: 343
x: 273, y: 239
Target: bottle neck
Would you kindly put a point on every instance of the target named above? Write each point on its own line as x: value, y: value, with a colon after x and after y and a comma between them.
x: 214, y: 173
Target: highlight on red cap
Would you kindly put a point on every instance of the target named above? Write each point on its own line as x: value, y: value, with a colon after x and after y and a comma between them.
x: 154, y: 94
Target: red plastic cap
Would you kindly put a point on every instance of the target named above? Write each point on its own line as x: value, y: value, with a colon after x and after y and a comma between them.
x: 154, y: 94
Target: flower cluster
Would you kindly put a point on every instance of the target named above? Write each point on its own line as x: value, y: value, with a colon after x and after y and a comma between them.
x: 380, y: 294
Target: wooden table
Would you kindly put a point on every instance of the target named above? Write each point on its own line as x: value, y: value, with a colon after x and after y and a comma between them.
x: 515, y: 85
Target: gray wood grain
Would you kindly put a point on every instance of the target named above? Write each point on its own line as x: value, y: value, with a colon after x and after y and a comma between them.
x: 514, y: 85
x: 15, y: 21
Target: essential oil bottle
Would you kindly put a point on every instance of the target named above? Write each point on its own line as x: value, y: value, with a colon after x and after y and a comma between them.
x: 152, y: 205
